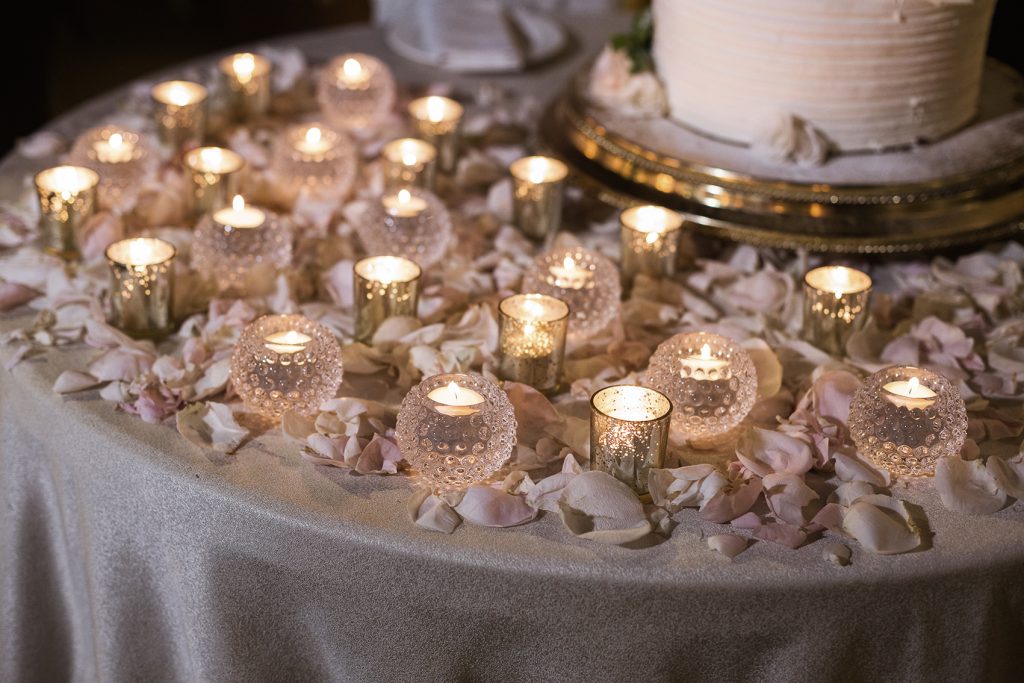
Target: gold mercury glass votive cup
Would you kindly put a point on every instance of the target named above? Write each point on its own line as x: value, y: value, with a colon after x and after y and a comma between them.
x: 835, y: 306
x: 408, y: 162
x: 649, y: 237
x: 141, y: 286
x: 538, y: 184
x: 629, y: 430
x: 180, y: 113
x: 214, y: 175
x: 67, y: 197
x: 246, y: 80
x: 385, y: 286
x: 438, y: 121
x: 532, y: 329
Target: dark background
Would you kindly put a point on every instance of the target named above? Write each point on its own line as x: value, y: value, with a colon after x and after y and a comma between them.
x: 61, y: 52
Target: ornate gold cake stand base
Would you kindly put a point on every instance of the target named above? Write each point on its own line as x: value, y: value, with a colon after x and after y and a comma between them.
x: 985, y: 202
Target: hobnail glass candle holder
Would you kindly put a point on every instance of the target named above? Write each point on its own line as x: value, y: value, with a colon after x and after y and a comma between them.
x: 314, y: 158
x: 408, y: 162
x: 246, y: 81
x: 437, y: 120
x: 141, y: 286
x: 121, y: 157
x: 538, y: 184
x: 179, y: 109
x: 456, y: 430
x: 906, y: 418
x: 710, y: 380
x: 583, y: 279
x: 629, y: 428
x: 531, y: 339
x: 649, y: 238
x: 835, y: 306
x: 356, y: 92
x: 67, y: 197
x: 241, y: 255
x: 214, y: 175
x: 385, y: 286
x: 412, y: 223
x: 285, y: 363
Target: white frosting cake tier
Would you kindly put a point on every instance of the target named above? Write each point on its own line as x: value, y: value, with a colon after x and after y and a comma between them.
x: 866, y: 74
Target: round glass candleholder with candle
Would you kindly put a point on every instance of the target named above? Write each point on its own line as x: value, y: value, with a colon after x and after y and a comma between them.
x: 835, y: 306
x: 356, y: 92
x: 285, y: 363
x: 412, y: 223
x: 214, y: 175
x: 408, y: 162
x: 531, y: 339
x: 649, y: 238
x: 385, y: 286
x: 67, y: 197
x: 141, y: 286
x: 241, y: 247
x: 629, y: 431
x: 711, y: 381
x: 905, y: 418
x: 538, y: 185
x: 314, y: 158
x: 122, y: 158
x: 438, y: 120
x: 456, y: 430
x: 179, y: 110
x: 245, y: 78
x: 586, y: 281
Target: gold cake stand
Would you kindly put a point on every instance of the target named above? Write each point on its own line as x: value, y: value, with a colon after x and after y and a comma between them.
x: 952, y: 211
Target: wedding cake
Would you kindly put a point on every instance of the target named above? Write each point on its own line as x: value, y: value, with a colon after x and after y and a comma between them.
x: 849, y: 74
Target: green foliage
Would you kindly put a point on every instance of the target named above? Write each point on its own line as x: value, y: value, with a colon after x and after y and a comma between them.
x: 637, y: 41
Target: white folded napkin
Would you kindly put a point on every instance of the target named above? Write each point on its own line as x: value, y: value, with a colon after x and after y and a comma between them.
x: 470, y: 35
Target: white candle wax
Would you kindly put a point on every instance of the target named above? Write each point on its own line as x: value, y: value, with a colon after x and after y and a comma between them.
x: 569, y: 275
x: 385, y: 270
x: 704, y: 362
x: 404, y: 204
x: 651, y: 219
x: 455, y: 400
x: 68, y: 181
x: 314, y: 142
x: 289, y: 341
x: 238, y: 215
x: 114, y: 150
x: 910, y: 394
x: 539, y: 170
x: 409, y: 151
x: 838, y: 280
x: 213, y: 160
x: 179, y: 93
x: 139, y: 252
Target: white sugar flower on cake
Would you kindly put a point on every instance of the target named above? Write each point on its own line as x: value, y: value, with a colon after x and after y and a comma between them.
x: 613, y: 84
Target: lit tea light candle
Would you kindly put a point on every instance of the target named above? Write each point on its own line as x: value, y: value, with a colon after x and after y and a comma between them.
x: 246, y: 79
x: 313, y: 158
x: 142, y: 285
x: 413, y: 223
x: 408, y: 162
x: 114, y: 150
x: 180, y: 113
x: 240, y: 215
x: 385, y: 286
x: 438, y: 121
x: 909, y: 394
x: 569, y: 275
x: 67, y: 197
x: 629, y: 429
x: 537, y: 189
x: 835, y: 305
x: 404, y: 204
x: 585, y: 280
x: 703, y: 363
x: 121, y: 157
x: 356, y: 91
x: 313, y: 142
x: 649, y: 238
x: 288, y: 341
x: 456, y: 401
x: 214, y: 174
x: 531, y: 339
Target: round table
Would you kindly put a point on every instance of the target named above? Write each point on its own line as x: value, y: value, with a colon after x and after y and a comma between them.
x: 126, y: 553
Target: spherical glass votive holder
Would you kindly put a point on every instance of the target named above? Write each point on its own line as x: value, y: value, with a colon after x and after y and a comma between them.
x: 456, y: 430
x: 583, y: 279
x: 905, y: 418
x: 385, y: 286
x: 121, y: 157
x: 835, y: 306
x: 412, y: 223
x: 438, y: 120
x: 285, y: 363
x: 67, y: 197
x: 241, y: 248
x: 649, y: 238
x: 356, y: 92
x: 629, y: 430
x: 710, y: 379
x: 179, y: 110
x: 531, y: 339
x: 538, y: 184
x: 141, y: 286
x: 314, y: 158
x: 408, y: 162
x: 245, y: 79
x: 213, y: 176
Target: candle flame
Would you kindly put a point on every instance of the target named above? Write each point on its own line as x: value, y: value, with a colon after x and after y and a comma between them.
x: 116, y: 140
x: 913, y: 385
x: 313, y: 135
x: 435, y: 109
x: 705, y: 352
x: 538, y: 170
x: 651, y: 237
x: 292, y: 337
x: 244, y: 65
x: 352, y: 68
x: 178, y: 95
x: 409, y: 157
x: 404, y: 197
x: 211, y: 156
x: 454, y: 388
x: 568, y: 263
x: 237, y: 203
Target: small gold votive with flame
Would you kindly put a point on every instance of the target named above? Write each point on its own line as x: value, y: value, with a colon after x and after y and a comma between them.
x: 67, y: 197
x: 532, y: 330
x: 385, y: 286
x: 835, y: 306
x: 141, y: 286
x: 629, y: 430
